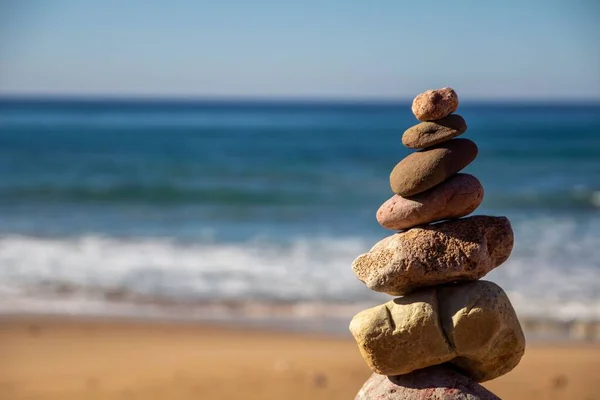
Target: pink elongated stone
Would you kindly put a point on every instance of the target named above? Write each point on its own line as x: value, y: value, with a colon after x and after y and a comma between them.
x: 458, y: 196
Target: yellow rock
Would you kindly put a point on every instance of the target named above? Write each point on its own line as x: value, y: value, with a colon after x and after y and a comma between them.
x: 481, y: 325
x: 479, y: 331
x: 402, y: 335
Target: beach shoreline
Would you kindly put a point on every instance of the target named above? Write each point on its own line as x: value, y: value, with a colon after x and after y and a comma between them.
x: 325, y: 318
x: 73, y: 357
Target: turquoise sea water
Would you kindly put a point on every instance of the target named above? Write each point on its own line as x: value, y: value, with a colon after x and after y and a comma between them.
x: 114, y: 205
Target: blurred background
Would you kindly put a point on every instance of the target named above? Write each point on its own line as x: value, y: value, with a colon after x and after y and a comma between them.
x: 225, y: 160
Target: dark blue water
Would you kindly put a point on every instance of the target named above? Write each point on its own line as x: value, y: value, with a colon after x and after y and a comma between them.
x: 273, y: 201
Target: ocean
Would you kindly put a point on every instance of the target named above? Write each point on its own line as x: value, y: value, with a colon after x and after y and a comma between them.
x: 256, y: 210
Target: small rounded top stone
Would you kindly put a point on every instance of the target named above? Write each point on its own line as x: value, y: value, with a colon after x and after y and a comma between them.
x: 435, y: 104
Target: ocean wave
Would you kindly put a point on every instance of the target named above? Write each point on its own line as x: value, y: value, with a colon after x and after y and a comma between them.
x: 553, y: 272
x: 300, y: 270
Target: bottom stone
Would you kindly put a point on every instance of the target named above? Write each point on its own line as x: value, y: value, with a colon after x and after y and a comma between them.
x: 439, y: 382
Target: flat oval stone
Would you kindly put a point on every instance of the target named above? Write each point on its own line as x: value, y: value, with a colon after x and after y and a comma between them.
x: 435, y: 104
x: 437, y: 382
x: 427, y: 168
x: 456, y: 197
x: 470, y: 325
x: 430, y: 133
x: 458, y: 250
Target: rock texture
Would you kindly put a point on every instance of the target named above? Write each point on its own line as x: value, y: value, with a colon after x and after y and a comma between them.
x: 457, y: 250
x: 430, y: 133
x: 427, y: 168
x: 454, y: 198
x: 448, y: 330
x: 435, y: 104
x: 402, y: 335
x: 481, y: 324
x: 433, y: 383
x: 479, y: 331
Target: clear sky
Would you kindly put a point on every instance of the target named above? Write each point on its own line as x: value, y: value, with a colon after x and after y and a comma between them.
x: 303, y: 48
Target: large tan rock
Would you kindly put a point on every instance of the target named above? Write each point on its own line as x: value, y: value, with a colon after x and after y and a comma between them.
x: 435, y: 104
x: 424, y: 169
x: 454, y: 198
x: 402, y: 335
x: 481, y: 324
x: 456, y: 250
x: 437, y: 382
x: 430, y: 133
x: 479, y: 331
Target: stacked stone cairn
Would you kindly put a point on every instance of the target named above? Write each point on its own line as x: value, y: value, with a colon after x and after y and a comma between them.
x: 448, y: 330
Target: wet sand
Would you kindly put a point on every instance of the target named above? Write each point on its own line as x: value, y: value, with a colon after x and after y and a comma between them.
x: 84, y: 358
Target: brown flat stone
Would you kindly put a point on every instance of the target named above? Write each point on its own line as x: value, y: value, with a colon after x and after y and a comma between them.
x: 457, y: 250
x: 456, y: 197
x: 435, y: 104
x: 430, y: 133
x: 427, y: 168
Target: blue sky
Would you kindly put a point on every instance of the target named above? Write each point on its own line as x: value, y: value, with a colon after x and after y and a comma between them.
x: 301, y: 49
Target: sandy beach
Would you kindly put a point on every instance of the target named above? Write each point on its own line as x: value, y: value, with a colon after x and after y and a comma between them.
x: 84, y: 358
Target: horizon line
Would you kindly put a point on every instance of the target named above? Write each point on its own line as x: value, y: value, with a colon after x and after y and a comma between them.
x: 258, y: 99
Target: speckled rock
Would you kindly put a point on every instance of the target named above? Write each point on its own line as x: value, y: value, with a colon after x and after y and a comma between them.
x: 427, y: 168
x: 435, y: 104
x: 456, y: 197
x: 471, y: 325
x: 457, y: 250
x: 402, y: 335
x: 481, y: 324
x: 430, y: 133
x: 433, y: 383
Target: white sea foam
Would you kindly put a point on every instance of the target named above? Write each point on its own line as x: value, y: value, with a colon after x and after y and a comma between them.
x: 554, y: 273
x: 306, y: 269
x: 595, y: 199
